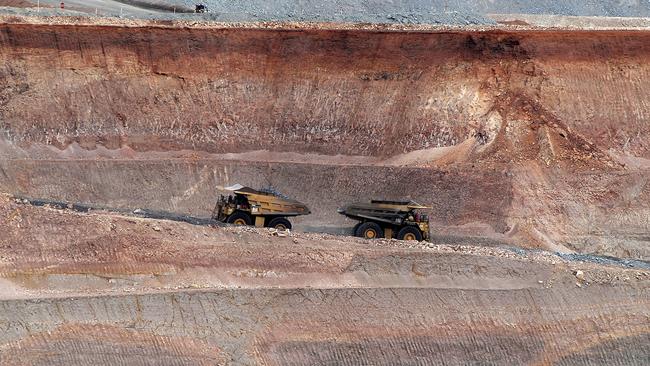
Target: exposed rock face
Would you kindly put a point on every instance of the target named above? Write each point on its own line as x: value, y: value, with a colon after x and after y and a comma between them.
x: 347, y: 92
x: 533, y: 138
x: 530, y: 137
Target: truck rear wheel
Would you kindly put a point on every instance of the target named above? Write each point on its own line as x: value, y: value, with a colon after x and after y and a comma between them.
x: 369, y: 230
x: 239, y: 218
x: 280, y: 223
x: 409, y: 233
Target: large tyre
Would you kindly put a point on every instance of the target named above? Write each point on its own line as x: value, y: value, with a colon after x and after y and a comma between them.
x: 369, y: 230
x: 409, y: 233
x: 239, y: 218
x: 279, y: 223
x: 355, y: 228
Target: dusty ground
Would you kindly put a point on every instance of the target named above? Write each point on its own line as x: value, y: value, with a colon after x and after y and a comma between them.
x: 519, y: 135
x: 421, y: 8
x: 368, y: 11
x: 83, y: 7
x: 106, y: 285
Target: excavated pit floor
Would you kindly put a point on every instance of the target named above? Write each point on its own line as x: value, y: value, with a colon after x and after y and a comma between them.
x: 517, y: 136
x: 104, y: 288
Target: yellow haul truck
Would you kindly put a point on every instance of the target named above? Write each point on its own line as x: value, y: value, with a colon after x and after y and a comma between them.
x: 388, y: 219
x: 247, y: 206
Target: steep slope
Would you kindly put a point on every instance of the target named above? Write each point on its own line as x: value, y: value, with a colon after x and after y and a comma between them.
x: 348, y: 92
x: 530, y: 137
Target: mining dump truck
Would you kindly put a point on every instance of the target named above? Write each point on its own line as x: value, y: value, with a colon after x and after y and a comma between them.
x: 247, y: 206
x: 388, y: 219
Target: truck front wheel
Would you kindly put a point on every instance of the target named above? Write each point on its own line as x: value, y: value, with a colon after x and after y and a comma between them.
x: 355, y: 228
x: 239, y: 218
x: 409, y: 233
x: 370, y: 230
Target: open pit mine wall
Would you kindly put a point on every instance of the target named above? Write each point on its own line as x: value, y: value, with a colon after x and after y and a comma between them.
x: 603, y: 326
x: 156, y: 89
x: 331, y: 92
x: 465, y: 202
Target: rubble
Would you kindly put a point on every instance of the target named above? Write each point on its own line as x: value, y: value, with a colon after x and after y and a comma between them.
x: 253, y: 291
x: 280, y: 233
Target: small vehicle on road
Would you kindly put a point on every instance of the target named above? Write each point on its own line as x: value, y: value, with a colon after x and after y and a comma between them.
x: 388, y: 219
x: 247, y: 206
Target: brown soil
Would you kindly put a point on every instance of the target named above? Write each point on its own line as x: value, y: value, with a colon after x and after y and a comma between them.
x: 504, y: 133
x: 444, y: 88
x: 102, y: 288
x: 514, y: 135
x: 109, y: 345
x: 18, y: 3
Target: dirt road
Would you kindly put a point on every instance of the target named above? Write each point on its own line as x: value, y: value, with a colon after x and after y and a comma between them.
x: 102, y: 7
x: 101, y: 288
